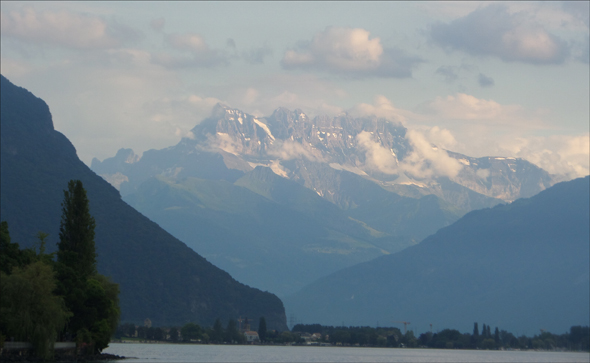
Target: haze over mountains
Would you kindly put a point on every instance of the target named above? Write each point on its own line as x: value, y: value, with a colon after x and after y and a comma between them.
x: 521, y: 267
x: 282, y: 200
x: 160, y: 277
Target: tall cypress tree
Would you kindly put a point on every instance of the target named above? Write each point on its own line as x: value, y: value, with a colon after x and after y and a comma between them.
x: 76, y: 232
x: 262, y: 329
x: 92, y: 298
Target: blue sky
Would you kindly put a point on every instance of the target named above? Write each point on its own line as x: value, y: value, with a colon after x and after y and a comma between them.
x: 480, y: 78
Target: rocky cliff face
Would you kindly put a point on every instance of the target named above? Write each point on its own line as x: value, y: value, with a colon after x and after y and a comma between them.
x: 308, y: 150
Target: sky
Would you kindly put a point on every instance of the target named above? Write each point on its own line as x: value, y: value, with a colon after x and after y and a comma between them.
x: 478, y: 78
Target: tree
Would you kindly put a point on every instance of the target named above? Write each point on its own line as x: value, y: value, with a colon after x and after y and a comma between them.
x: 29, y: 310
x: 232, y: 335
x: 173, y: 334
x: 190, y: 331
x: 217, y: 335
x: 10, y: 254
x: 76, y: 232
x: 91, y: 297
x: 262, y: 329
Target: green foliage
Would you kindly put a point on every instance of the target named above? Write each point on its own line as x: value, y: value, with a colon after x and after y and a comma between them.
x: 93, y: 298
x: 29, y: 309
x: 76, y: 232
x: 191, y: 331
x: 10, y: 254
x: 232, y: 334
x: 173, y: 334
x: 217, y: 333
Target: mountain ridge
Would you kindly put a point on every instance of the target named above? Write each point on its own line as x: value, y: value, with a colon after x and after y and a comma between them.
x: 159, y: 276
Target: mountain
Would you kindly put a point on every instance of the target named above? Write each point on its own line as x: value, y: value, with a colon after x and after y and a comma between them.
x: 521, y: 267
x: 159, y: 276
x: 366, y: 187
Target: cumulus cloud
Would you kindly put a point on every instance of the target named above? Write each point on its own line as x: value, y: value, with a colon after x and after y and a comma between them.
x: 350, y: 51
x: 382, y: 108
x: 65, y: 29
x: 558, y: 154
x: 424, y: 161
x: 191, y: 50
x: 427, y: 160
x: 466, y: 107
x: 376, y: 155
x: 294, y: 150
x: 495, y: 31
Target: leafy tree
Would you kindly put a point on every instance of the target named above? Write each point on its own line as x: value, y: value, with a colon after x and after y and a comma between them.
x: 262, y: 329
x: 173, y: 334
x: 10, y: 254
x: 29, y: 310
x: 232, y: 335
x: 217, y: 334
x: 190, y: 331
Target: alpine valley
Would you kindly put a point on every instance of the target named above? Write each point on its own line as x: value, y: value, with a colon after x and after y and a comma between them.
x: 283, y: 200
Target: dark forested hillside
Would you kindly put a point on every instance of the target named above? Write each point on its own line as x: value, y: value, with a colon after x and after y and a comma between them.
x: 159, y: 276
x: 521, y: 267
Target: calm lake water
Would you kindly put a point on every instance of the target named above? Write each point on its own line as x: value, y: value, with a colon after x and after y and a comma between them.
x: 243, y: 353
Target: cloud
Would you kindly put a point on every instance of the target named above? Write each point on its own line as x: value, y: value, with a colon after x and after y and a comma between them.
x: 424, y: 161
x: 382, y: 108
x: 377, y: 156
x: 566, y: 155
x: 65, y: 29
x: 449, y: 73
x: 350, y: 51
x: 294, y: 150
x: 485, y: 81
x: 427, y: 160
x: 466, y: 107
x: 495, y: 31
x: 191, y: 50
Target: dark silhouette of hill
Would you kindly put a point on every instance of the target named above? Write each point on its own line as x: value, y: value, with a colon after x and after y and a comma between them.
x: 521, y: 267
x: 160, y: 277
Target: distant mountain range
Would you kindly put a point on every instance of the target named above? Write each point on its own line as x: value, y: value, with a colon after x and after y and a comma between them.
x: 160, y: 277
x: 282, y: 200
x: 521, y: 267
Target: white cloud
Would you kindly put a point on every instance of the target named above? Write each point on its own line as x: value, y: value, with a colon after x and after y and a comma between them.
x: 350, y: 51
x: 427, y: 160
x: 424, y: 161
x: 559, y: 154
x: 377, y: 156
x: 462, y: 106
x: 496, y: 31
x: 189, y: 50
x: 294, y: 150
x: 381, y: 107
x: 64, y: 28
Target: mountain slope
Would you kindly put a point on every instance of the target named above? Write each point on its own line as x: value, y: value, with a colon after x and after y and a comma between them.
x: 521, y: 267
x: 159, y: 276
x: 257, y: 240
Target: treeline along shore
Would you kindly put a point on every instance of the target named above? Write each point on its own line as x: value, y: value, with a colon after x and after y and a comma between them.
x: 577, y: 339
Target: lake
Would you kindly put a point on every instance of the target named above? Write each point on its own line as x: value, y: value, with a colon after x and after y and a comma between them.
x: 244, y: 353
